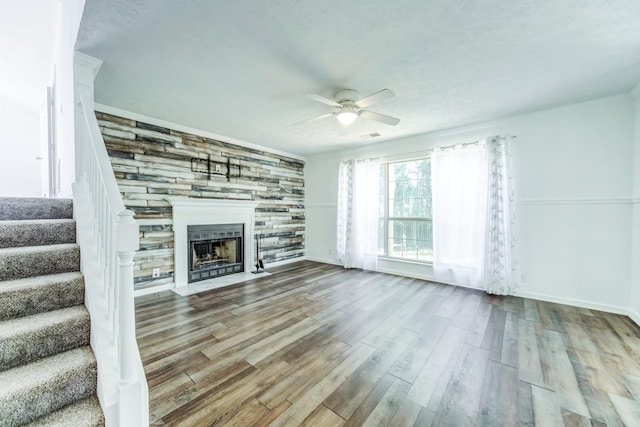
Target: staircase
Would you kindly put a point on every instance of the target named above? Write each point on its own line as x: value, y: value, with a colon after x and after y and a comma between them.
x: 48, y: 372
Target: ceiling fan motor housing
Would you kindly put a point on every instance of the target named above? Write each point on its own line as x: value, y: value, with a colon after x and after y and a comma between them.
x: 347, y: 97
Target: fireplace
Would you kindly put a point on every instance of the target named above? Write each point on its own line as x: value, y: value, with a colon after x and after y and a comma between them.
x: 196, y: 212
x: 215, y: 250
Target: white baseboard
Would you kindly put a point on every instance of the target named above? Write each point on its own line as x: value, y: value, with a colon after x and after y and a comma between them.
x: 153, y: 290
x: 634, y: 315
x: 575, y: 302
x: 284, y: 262
x: 323, y: 260
x: 404, y: 274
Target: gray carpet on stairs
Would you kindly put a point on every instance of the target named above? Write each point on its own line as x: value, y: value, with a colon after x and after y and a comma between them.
x: 86, y: 413
x: 27, y: 339
x: 32, y: 295
x: 39, y: 388
x: 48, y: 372
x: 30, y: 261
x: 37, y: 232
x: 19, y: 208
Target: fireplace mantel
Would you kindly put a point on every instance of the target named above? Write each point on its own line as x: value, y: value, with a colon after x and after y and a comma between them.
x: 208, y: 211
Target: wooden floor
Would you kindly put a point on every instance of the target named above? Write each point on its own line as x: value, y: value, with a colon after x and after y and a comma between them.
x: 318, y: 345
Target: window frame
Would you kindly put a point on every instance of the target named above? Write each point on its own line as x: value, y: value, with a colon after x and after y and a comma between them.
x: 386, y: 218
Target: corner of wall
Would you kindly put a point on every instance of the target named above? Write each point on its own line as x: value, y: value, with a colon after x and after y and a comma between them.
x: 634, y: 287
x: 635, y: 316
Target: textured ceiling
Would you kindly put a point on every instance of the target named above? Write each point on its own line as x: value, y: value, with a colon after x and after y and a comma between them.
x: 26, y: 51
x: 242, y: 68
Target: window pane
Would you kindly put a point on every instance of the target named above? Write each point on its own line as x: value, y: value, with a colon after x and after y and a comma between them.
x: 408, y: 202
x: 383, y: 191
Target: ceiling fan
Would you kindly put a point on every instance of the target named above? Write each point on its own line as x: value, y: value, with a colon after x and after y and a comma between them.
x: 350, y: 106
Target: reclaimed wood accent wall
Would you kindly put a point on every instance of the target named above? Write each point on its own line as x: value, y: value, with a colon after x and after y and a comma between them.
x: 151, y: 163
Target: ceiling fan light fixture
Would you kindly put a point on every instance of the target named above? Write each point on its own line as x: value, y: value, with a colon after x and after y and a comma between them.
x: 347, y: 117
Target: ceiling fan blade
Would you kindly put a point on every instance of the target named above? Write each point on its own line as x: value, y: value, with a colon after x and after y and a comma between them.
x: 324, y: 100
x: 375, y: 98
x: 314, y: 118
x: 387, y: 120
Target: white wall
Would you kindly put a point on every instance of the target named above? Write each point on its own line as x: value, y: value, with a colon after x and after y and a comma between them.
x: 20, y: 143
x: 634, y: 296
x: 574, y: 169
x: 68, y: 24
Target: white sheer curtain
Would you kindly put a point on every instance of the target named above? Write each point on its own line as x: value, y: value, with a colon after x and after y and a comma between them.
x: 502, y: 273
x: 459, y: 189
x: 474, y: 216
x: 358, y: 199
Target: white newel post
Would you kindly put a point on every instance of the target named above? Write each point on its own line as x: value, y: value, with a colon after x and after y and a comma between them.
x: 128, y: 243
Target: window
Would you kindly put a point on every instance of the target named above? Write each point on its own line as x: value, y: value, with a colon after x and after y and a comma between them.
x: 406, y: 230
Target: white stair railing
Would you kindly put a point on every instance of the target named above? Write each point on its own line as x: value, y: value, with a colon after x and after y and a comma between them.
x: 108, y: 237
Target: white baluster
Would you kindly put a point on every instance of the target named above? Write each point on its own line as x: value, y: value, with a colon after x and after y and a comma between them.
x: 128, y: 243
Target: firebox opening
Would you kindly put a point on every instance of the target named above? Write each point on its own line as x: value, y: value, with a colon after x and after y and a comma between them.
x: 215, y: 250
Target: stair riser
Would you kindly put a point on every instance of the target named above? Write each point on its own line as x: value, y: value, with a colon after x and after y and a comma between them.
x: 16, y: 234
x: 75, y: 385
x: 18, y: 208
x: 86, y: 413
x: 54, y: 296
x: 47, y: 341
x: 39, y: 263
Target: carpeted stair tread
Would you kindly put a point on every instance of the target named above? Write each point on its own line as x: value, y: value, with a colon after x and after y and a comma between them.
x: 17, y: 208
x: 37, y: 232
x: 29, y: 261
x: 27, y: 339
x: 31, y: 391
x: 32, y: 295
x: 86, y: 413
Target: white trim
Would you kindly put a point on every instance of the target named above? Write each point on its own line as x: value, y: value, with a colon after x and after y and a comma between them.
x: 422, y: 277
x: 581, y: 201
x: 153, y: 290
x: 194, y: 206
x: 87, y: 61
x: 188, y: 129
x: 323, y: 260
x: 574, y: 302
x: 387, y: 258
x: 284, y: 262
x: 218, y: 283
x: 404, y: 157
x: 634, y: 315
x: 532, y: 295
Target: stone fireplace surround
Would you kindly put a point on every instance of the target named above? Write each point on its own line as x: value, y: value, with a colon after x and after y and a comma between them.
x: 209, y: 211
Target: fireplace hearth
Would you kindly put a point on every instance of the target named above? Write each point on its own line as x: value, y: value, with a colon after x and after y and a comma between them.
x: 215, y: 250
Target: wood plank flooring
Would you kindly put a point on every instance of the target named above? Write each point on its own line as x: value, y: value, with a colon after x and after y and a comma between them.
x: 319, y: 345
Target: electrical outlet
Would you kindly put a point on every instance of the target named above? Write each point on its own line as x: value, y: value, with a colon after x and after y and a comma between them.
x: 156, y: 273
x: 218, y: 168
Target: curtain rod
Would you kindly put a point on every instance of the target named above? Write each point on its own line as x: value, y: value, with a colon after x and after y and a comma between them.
x: 464, y: 144
x: 431, y: 150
